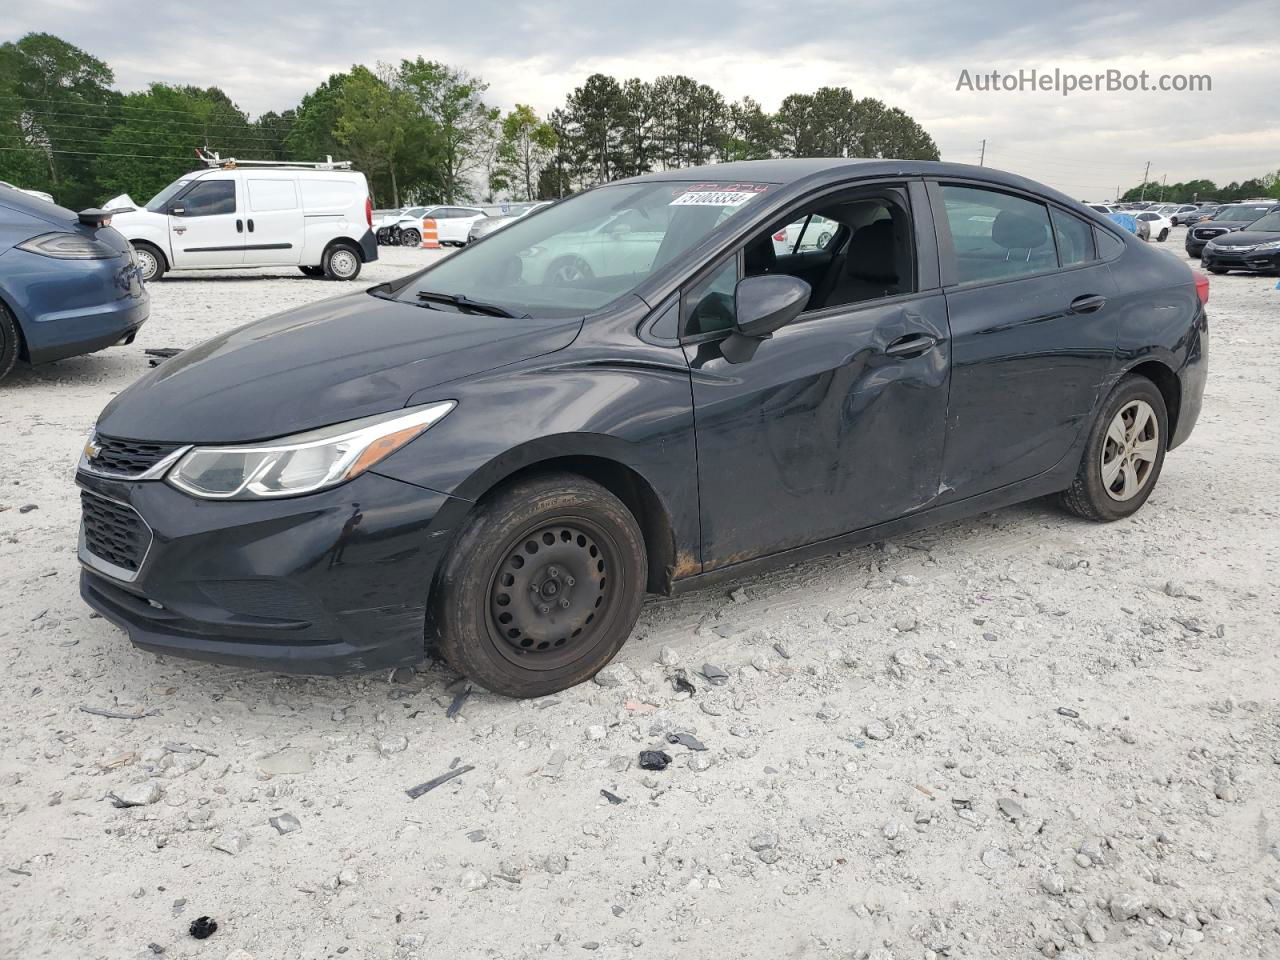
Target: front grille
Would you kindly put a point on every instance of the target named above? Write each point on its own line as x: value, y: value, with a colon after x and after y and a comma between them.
x: 128, y: 457
x: 1208, y: 233
x: 114, y: 532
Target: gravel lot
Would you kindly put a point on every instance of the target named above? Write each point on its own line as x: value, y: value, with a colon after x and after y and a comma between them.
x: 1014, y: 736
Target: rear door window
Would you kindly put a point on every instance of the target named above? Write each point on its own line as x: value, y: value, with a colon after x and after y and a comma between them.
x: 997, y: 236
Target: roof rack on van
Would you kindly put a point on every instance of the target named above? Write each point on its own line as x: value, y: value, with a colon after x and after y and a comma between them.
x: 215, y: 160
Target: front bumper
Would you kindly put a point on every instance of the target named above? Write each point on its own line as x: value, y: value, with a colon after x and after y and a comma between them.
x: 334, y: 582
x: 1225, y: 258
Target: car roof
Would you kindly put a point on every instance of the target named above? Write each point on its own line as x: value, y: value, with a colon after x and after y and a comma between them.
x: 824, y: 170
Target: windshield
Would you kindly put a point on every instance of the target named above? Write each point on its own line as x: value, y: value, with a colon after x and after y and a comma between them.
x: 585, y: 252
x: 1268, y: 224
x: 156, y: 203
x: 1242, y: 213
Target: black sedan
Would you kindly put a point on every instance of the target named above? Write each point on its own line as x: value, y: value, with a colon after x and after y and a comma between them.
x: 1256, y: 248
x: 635, y: 390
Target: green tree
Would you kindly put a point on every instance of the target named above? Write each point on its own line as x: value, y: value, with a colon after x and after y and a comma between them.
x: 160, y: 130
x: 313, y: 135
x: 526, y: 145
x: 594, y: 111
x: 64, y: 106
x: 449, y: 100
x: 749, y: 133
x: 374, y: 125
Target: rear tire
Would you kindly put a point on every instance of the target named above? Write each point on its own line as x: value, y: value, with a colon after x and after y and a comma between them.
x: 541, y: 588
x: 1123, y: 455
x: 342, y: 262
x: 1164, y: 235
x: 151, y: 262
x: 10, y: 341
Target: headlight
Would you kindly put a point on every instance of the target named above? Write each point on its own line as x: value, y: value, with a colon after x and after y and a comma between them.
x: 1269, y: 245
x: 68, y: 246
x: 303, y: 463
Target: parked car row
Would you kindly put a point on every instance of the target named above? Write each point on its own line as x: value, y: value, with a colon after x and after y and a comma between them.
x: 404, y: 227
x: 1243, y: 236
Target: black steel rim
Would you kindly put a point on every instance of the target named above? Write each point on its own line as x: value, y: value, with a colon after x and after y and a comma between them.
x: 550, y: 597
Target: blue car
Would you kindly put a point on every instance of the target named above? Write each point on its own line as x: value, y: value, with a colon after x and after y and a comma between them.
x: 69, y: 283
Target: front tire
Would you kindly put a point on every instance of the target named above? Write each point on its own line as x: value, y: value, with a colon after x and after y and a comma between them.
x: 411, y: 238
x: 566, y: 270
x: 10, y: 341
x: 341, y: 262
x: 1123, y: 455
x: 151, y: 263
x: 541, y: 588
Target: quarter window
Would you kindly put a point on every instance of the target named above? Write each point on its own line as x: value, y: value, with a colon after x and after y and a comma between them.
x: 1075, y: 238
x: 709, y: 304
x: 997, y: 236
x: 209, y: 198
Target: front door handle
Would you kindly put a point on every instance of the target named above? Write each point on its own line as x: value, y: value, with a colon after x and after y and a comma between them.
x: 912, y: 345
x: 179, y: 229
x: 1090, y: 303
x: 239, y: 226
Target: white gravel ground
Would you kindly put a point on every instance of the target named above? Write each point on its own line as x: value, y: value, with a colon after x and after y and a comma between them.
x: 1014, y: 736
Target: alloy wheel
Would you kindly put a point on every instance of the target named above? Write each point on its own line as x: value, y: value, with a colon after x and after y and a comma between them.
x: 1130, y: 450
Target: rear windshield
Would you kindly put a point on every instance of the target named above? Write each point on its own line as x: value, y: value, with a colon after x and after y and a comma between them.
x: 587, y: 251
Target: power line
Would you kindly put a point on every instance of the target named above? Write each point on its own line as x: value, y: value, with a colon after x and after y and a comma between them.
x: 106, y: 106
x: 94, y: 153
x: 168, y: 124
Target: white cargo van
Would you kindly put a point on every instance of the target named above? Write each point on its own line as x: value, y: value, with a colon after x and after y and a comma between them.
x: 315, y: 216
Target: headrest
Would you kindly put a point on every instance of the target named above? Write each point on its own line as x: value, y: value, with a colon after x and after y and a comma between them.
x: 760, y: 258
x: 872, y: 255
x: 1013, y: 231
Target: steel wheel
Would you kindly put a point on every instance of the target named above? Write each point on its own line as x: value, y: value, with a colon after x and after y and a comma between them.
x: 1130, y: 450
x: 342, y: 264
x: 550, y: 592
x: 150, y: 265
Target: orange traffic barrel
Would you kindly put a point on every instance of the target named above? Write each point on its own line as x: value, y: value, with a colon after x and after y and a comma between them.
x: 430, y: 235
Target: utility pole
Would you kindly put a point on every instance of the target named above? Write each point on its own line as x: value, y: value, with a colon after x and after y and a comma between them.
x: 1144, y: 181
x: 1163, y: 184
x: 983, y: 155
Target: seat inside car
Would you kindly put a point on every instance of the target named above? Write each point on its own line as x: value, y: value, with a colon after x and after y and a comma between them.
x: 872, y: 267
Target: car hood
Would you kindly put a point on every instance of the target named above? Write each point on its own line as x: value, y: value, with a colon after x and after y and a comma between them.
x: 1245, y: 238
x: 349, y: 357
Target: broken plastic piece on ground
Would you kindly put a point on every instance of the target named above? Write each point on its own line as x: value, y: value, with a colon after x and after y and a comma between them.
x: 716, y: 676
x: 682, y: 684
x: 1068, y: 712
x: 415, y: 792
x: 686, y: 740
x: 458, y: 700
x: 202, y: 928
x: 158, y: 355
x: 612, y: 797
x: 654, y: 759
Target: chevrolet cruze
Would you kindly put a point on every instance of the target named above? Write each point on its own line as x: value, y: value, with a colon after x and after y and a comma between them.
x: 496, y: 460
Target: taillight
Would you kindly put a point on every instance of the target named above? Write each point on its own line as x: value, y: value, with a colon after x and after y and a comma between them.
x: 781, y: 236
x: 368, y: 211
x: 1202, y: 286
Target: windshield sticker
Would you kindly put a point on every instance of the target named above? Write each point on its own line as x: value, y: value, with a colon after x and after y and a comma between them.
x: 718, y: 195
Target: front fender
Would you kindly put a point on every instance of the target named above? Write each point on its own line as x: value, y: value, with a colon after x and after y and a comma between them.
x: 628, y: 404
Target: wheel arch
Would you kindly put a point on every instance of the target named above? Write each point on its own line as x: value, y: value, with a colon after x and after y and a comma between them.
x: 1167, y: 382
x: 6, y: 304
x: 665, y: 562
x: 344, y: 241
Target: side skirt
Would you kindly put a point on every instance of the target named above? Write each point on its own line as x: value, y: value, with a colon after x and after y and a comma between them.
x: 1052, y: 482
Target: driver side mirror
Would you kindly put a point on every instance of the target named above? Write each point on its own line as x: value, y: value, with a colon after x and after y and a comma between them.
x: 177, y: 210
x: 762, y: 305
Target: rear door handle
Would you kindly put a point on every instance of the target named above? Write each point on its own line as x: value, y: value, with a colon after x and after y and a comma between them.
x: 912, y: 345
x: 1090, y: 303
x: 251, y: 225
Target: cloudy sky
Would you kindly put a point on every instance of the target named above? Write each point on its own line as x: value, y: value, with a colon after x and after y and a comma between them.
x: 265, y: 55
